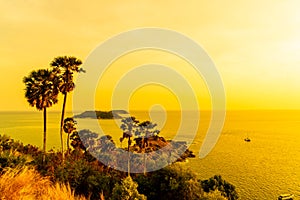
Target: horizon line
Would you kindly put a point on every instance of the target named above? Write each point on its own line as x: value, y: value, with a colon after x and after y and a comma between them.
x: 134, y: 110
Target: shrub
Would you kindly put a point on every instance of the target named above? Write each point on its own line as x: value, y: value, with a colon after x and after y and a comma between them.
x: 127, y: 190
x: 12, y: 159
x: 218, y: 183
x: 172, y: 182
x: 213, y: 195
x: 87, y: 176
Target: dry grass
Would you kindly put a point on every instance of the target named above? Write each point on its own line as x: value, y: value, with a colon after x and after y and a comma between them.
x: 27, y: 184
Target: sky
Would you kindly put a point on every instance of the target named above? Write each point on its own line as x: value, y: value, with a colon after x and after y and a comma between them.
x: 255, y: 46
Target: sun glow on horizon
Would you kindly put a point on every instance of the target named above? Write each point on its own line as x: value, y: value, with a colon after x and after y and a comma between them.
x: 255, y: 46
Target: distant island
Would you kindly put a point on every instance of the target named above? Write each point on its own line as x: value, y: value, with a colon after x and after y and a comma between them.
x: 113, y: 114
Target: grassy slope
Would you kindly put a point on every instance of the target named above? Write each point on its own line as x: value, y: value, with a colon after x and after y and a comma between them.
x: 26, y: 183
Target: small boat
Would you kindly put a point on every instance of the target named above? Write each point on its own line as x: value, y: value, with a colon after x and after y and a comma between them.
x: 286, y: 197
x: 247, y: 139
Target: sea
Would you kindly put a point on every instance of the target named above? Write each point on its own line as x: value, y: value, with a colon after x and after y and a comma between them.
x: 264, y: 168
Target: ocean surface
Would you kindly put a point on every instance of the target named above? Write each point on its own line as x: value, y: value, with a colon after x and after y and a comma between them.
x: 262, y: 169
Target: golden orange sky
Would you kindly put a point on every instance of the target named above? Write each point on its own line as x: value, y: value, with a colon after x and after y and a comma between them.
x: 254, y: 44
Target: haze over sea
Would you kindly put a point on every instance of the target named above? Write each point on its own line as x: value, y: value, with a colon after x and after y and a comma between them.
x: 261, y: 169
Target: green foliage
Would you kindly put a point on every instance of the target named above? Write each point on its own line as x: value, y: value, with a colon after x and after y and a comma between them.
x: 218, y: 183
x: 76, y: 142
x: 8, y: 144
x: 172, y: 182
x: 9, y: 159
x: 91, y: 178
x: 213, y: 195
x: 127, y: 190
x: 13, y: 154
x: 86, y: 177
x: 83, y: 177
x: 192, y: 190
x: 69, y: 127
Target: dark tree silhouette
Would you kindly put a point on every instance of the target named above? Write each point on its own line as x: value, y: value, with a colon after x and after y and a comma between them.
x: 144, y: 131
x: 41, y: 91
x: 128, y: 126
x: 218, y: 183
x: 69, y: 127
x: 66, y: 67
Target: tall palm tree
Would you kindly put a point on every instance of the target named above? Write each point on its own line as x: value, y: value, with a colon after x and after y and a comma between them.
x: 66, y: 67
x: 42, y: 92
x: 128, y: 126
x: 69, y: 127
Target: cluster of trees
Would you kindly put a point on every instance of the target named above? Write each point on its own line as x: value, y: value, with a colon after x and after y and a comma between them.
x: 145, y: 151
x: 82, y: 169
x: 44, y: 85
x: 90, y: 178
x: 141, y: 132
x: 143, y: 138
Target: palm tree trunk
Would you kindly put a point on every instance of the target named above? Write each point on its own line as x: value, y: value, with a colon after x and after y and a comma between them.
x: 45, y: 134
x: 128, y: 167
x: 62, y: 124
x: 144, y: 156
x: 145, y: 167
x: 68, y: 144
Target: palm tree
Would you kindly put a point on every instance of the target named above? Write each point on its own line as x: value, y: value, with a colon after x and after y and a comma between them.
x: 128, y: 126
x: 69, y: 127
x: 144, y: 131
x: 66, y: 67
x: 41, y: 92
